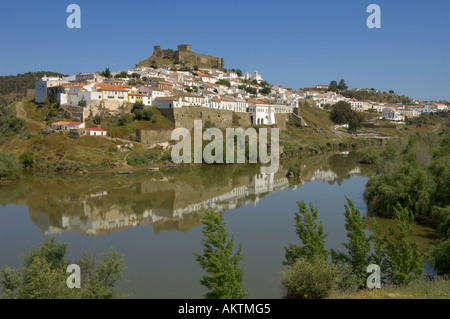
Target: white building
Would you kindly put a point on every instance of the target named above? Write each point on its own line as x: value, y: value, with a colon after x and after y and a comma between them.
x: 65, y: 126
x: 95, y: 131
x: 261, y: 113
x: 254, y: 76
x: 390, y: 113
x: 40, y: 87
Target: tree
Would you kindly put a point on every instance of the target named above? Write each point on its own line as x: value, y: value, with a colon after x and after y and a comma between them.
x: 355, y: 120
x: 145, y: 79
x: 333, y: 86
x: 27, y: 158
x: 406, y: 260
x: 239, y: 72
x: 357, y: 259
x: 311, y: 235
x: 391, y: 92
x: 265, y: 91
x: 107, y: 73
x: 43, y: 275
x: 342, y: 86
x: 340, y: 112
x: 225, y: 279
x: 82, y: 103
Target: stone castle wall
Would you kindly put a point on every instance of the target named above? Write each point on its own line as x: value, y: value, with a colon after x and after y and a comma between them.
x: 186, y: 55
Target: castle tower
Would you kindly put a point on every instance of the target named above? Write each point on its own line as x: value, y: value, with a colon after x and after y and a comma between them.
x: 185, y: 47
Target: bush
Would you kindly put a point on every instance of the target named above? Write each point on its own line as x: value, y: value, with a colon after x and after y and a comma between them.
x: 9, y: 124
x: 441, y: 257
x: 98, y: 119
x: 143, y: 157
x: 43, y: 275
x: 27, y: 158
x: 370, y: 156
x: 10, y: 167
x: 309, y: 279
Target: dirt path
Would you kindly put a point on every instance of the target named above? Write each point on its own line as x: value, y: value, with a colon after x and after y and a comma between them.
x: 22, y: 114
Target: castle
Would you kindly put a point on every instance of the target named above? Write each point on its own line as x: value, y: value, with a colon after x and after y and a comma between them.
x: 184, y: 55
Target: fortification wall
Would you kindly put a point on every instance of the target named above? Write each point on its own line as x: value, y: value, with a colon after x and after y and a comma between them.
x: 154, y: 137
x: 200, y: 59
x: 281, y: 120
x: 185, y: 116
x: 109, y: 107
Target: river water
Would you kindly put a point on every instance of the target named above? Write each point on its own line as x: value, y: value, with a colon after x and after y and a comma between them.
x: 154, y: 218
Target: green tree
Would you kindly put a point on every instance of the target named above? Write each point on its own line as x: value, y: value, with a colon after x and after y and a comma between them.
x: 391, y: 92
x: 265, y: 90
x: 311, y: 235
x: 10, y: 167
x: 43, y: 275
x: 358, y: 247
x: 82, y: 103
x: 333, y: 86
x: 239, y: 72
x: 225, y: 279
x: 406, y: 260
x: 106, y: 73
x: 342, y: 86
x: 341, y: 112
x: 27, y: 158
x: 355, y: 120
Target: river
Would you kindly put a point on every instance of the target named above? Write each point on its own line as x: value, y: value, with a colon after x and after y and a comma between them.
x: 154, y: 218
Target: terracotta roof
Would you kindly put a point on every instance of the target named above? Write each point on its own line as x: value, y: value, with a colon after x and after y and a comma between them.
x: 96, y: 129
x: 109, y: 87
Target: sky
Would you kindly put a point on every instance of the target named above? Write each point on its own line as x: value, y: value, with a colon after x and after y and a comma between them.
x: 293, y: 43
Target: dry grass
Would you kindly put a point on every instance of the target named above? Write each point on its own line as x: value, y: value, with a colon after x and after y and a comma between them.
x: 419, y: 289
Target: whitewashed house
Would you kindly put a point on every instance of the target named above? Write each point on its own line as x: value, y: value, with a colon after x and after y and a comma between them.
x: 40, y: 87
x: 66, y: 126
x: 390, y: 113
x: 95, y: 131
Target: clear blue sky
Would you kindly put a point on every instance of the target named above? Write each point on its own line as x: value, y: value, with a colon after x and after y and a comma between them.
x: 293, y: 43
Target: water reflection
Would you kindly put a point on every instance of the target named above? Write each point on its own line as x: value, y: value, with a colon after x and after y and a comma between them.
x: 167, y: 199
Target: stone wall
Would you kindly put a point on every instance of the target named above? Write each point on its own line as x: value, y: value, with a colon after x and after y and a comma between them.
x: 109, y: 107
x: 185, y: 116
x: 281, y: 120
x: 154, y: 137
x: 183, y: 55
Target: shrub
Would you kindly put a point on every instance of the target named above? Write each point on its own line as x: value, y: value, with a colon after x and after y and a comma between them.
x: 370, y: 156
x: 441, y: 257
x: 27, y: 158
x: 9, y: 124
x: 10, y: 167
x: 143, y: 157
x: 309, y: 279
x: 43, y: 275
x: 98, y: 119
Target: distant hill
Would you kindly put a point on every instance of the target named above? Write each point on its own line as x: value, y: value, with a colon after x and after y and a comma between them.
x: 14, y: 87
x: 380, y: 97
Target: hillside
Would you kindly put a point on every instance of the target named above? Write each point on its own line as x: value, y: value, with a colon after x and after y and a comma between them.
x: 14, y: 87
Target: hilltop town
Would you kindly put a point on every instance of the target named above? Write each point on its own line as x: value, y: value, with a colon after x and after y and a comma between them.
x: 169, y: 87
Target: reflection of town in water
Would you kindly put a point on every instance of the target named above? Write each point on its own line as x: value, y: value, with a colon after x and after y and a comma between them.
x: 167, y: 199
